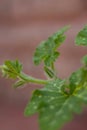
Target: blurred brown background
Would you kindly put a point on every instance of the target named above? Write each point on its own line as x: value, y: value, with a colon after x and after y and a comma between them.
x: 23, y: 24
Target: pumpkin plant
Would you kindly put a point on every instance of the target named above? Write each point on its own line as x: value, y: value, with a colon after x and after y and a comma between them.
x: 59, y: 99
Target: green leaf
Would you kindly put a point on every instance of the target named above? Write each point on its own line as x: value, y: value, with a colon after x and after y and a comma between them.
x: 32, y: 107
x: 81, y: 38
x: 77, y: 79
x: 46, y: 51
x: 11, y: 69
x: 58, y: 112
x: 55, y: 107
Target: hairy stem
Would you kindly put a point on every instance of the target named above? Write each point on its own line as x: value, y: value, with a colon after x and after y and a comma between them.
x: 30, y: 79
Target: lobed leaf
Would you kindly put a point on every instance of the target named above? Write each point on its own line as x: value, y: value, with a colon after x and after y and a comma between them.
x: 50, y: 89
x: 54, y: 105
x: 46, y: 51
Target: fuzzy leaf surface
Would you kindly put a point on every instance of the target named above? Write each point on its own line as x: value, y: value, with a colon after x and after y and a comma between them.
x: 55, y: 108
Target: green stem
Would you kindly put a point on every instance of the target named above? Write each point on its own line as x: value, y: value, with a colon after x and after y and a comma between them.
x: 31, y: 79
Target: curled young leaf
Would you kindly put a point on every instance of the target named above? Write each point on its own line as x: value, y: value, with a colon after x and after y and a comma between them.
x: 11, y: 69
